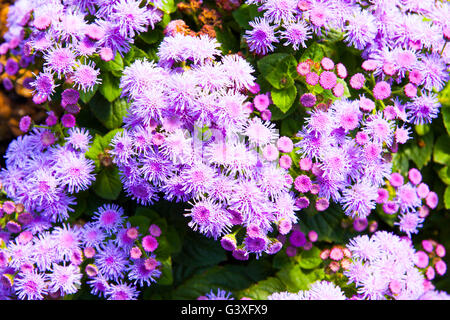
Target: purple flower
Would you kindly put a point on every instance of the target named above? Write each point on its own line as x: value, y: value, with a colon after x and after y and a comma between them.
x: 262, y: 36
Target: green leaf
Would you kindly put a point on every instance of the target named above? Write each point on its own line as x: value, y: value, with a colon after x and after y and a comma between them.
x: 110, y: 114
x: 444, y: 174
x: 227, y: 39
x: 107, y: 184
x: 168, y: 6
x: 99, y: 145
x: 270, y: 62
x: 283, y: 75
x: 113, y: 65
x: 309, y: 259
x: 420, y: 150
x: 244, y: 14
x: 446, y: 116
x: 140, y: 221
x: 263, y: 289
x: 441, y: 153
x: 147, y: 212
x: 284, y: 99
x: 166, y: 272
x: 87, y: 96
x: 296, y: 279
x: 229, y: 277
x: 422, y: 129
x: 110, y: 87
x: 151, y: 36
x: 327, y: 224
x: 314, y: 52
x: 447, y: 197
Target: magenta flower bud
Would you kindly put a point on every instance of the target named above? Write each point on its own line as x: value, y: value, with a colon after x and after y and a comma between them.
x: 150, y: 264
x: 285, y: 162
x: 305, y: 164
x: 261, y: 102
x: 307, y: 246
x: 303, y: 68
x: 240, y: 254
x: 248, y: 107
x: 270, y: 152
x: 382, y: 90
x: 410, y: 90
x: 228, y: 242
x: 308, y: 100
x: 68, y: 120
x: 414, y: 176
x: 327, y: 64
x: 291, y: 251
x: 424, y: 211
x: 51, y: 119
x: 25, y: 237
x: 427, y: 245
x: 135, y: 253
x: 132, y: 233
x: 440, y: 250
x: 415, y: 77
x: 312, y: 78
x: 362, y: 138
x: 285, y: 144
x: 357, y: 81
x: 13, y: 226
x: 302, y: 202
x: 390, y: 207
x: 396, y: 179
x: 423, y: 190
x: 158, y: 139
x: 336, y: 254
x: 266, y: 115
x: 383, y: 196
x: 322, y: 204
x: 9, y: 207
x: 395, y: 286
x: 341, y: 71
x: 422, y: 259
x: 255, y: 88
x: 430, y: 273
x: 89, y: 252
x: 360, y: 224
x: 369, y: 65
x: 338, y: 90
x: 149, y: 243
x: 106, y: 54
x: 440, y: 267
x: 373, y: 226
x: 302, y: 183
x: 313, y: 236
x: 154, y: 230
x: 432, y: 199
x: 91, y: 270
x: 297, y: 238
x: 327, y: 80
x: 25, y: 123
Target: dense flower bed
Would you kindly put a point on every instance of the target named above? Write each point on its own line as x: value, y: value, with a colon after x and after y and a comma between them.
x: 260, y: 149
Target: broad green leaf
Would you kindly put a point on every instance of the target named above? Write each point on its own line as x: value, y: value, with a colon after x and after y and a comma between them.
x: 446, y: 116
x: 113, y: 65
x: 444, y: 174
x: 263, y: 289
x: 99, y: 145
x: 244, y: 14
x: 420, y: 150
x: 284, y: 74
x: 284, y: 99
x: 168, y: 6
x: 166, y: 277
x: 87, y: 96
x: 314, y: 52
x: 107, y: 184
x: 140, y: 221
x: 270, y: 62
x: 151, y: 36
x: 309, y: 259
x: 147, y: 212
x: 229, y: 277
x: 441, y: 152
x: 109, y: 114
x: 296, y: 279
x: 422, y: 129
x: 327, y: 224
x: 447, y: 197
x: 227, y: 39
x: 110, y: 87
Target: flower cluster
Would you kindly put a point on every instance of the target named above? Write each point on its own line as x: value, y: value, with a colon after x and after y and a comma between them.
x: 189, y: 135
